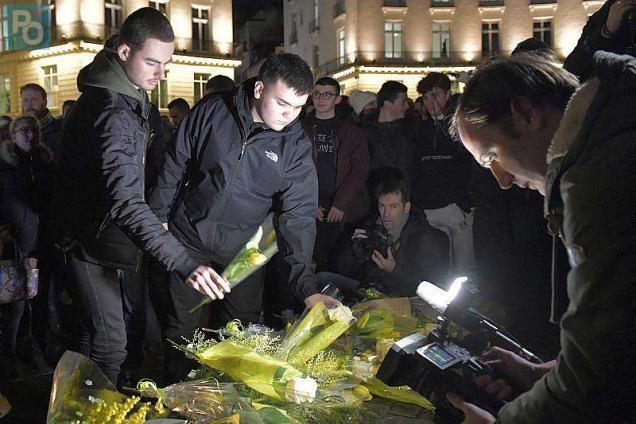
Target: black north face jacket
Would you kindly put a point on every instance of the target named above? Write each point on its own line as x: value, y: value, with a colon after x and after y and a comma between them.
x: 222, y: 175
x: 99, y: 202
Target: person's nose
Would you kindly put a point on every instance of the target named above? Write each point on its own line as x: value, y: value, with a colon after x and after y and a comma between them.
x: 504, y: 178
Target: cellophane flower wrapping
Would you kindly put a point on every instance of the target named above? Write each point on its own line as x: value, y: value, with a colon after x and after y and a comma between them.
x: 315, y: 332
x: 200, y: 401
x: 81, y: 393
x: 256, y: 252
x: 266, y: 375
x: 388, y: 318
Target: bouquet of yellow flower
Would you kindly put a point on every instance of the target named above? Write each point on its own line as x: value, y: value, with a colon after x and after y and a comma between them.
x: 256, y: 253
x: 82, y: 394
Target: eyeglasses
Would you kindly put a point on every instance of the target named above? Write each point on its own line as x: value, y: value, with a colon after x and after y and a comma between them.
x: 24, y: 130
x: 326, y: 95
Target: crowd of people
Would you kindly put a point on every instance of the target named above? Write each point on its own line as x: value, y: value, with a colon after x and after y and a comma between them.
x: 131, y: 216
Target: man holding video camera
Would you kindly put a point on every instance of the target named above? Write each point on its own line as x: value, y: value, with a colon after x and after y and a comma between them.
x: 513, y: 119
x: 396, y: 249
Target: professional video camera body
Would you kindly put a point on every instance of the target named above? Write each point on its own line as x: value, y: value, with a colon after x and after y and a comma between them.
x: 439, y: 363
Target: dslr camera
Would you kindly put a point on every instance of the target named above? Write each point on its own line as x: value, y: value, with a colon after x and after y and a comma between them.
x: 377, y: 239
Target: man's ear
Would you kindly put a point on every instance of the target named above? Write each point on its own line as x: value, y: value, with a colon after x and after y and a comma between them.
x: 258, y: 89
x: 407, y: 207
x: 525, y: 111
x: 124, y: 52
x: 338, y: 100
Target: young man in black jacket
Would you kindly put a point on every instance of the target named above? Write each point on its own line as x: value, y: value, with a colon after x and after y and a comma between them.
x: 232, y: 156
x: 442, y: 169
x: 103, y: 220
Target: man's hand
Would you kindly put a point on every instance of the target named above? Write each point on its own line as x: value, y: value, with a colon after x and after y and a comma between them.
x: 385, y: 264
x: 206, y: 281
x: 320, y: 214
x: 335, y: 215
x: 518, y: 374
x: 327, y: 300
x: 472, y: 414
x: 616, y: 13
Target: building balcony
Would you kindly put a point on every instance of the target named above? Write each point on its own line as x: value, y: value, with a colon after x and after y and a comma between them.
x: 491, y: 3
x: 98, y: 34
x: 394, y: 3
x: 442, y: 3
x: 406, y: 59
x: 338, y: 8
x: 313, y: 26
x: 542, y: 1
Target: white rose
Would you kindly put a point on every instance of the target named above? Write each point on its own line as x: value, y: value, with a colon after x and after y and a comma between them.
x: 301, y: 390
x: 340, y: 313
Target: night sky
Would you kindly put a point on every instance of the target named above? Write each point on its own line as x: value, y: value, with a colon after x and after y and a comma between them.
x: 243, y: 9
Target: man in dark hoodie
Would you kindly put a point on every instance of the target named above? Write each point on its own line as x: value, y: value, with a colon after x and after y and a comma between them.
x: 442, y: 171
x: 232, y: 156
x: 103, y: 220
x: 342, y: 162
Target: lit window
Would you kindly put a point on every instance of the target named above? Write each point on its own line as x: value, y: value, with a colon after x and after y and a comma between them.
x: 50, y: 85
x: 200, y: 28
x: 112, y: 16
x: 341, y: 46
x: 5, y: 94
x: 199, y: 85
x: 160, y: 5
x: 159, y: 96
x: 542, y: 30
x: 489, y: 38
x: 441, y: 40
x: 393, y: 40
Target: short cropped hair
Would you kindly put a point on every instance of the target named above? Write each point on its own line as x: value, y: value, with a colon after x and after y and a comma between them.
x: 487, y: 96
x: 219, y: 84
x: 329, y: 82
x: 35, y: 87
x: 180, y: 104
x: 433, y: 80
x: 390, y: 91
x: 142, y: 24
x: 290, y: 69
x: 394, y: 185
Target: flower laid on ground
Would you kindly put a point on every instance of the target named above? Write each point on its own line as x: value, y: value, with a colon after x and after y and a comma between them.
x: 82, y: 394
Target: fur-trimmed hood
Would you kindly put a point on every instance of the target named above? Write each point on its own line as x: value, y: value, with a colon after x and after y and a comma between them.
x: 10, y: 155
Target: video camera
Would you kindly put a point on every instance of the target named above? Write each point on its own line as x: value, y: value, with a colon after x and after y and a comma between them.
x: 439, y: 363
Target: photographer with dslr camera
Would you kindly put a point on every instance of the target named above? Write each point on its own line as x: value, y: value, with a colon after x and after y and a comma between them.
x: 513, y: 119
x: 396, y: 249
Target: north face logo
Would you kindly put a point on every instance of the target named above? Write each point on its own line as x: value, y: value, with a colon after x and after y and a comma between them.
x: 271, y: 156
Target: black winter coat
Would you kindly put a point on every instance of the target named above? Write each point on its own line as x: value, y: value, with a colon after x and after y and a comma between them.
x: 221, y: 175
x: 421, y: 253
x: 27, y: 184
x: 100, y: 204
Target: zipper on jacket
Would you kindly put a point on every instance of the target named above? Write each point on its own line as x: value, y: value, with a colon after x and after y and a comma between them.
x: 103, y: 225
